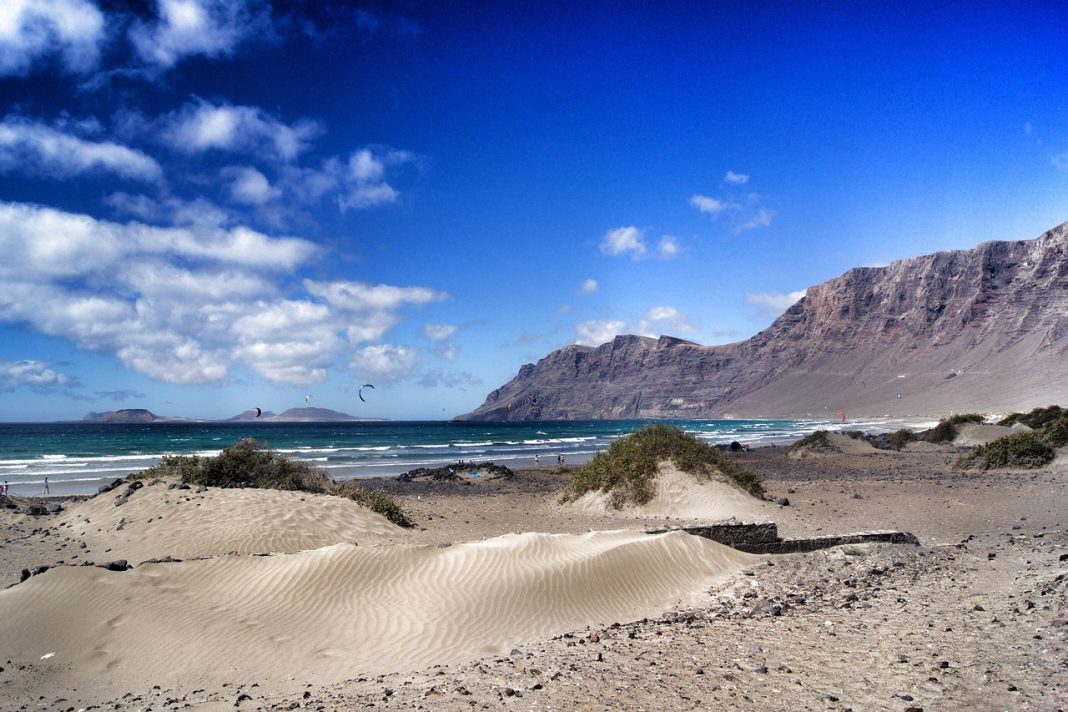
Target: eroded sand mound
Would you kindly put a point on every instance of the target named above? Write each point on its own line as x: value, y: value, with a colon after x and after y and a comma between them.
x: 681, y: 495
x: 837, y: 444
x: 973, y: 434
x: 156, y: 521
x: 342, y: 611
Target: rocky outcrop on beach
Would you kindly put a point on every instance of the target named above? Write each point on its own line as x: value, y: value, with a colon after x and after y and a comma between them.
x: 957, y: 331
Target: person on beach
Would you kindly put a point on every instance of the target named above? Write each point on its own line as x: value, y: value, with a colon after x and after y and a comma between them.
x: 536, y: 460
x: 47, y: 490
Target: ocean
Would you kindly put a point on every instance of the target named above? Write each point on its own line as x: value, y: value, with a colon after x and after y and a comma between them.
x: 77, y: 458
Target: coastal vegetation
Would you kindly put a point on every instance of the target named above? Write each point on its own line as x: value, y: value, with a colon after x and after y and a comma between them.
x: 946, y: 431
x: 1033, y: 448
x: 627, y: 470
x: 1036, y: 418
x: 250, y: 463
x: 817, y: 439
x: 1027, y: 449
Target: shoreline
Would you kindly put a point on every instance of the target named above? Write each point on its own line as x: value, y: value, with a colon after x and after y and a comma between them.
x: 795, y: 624
x: 67, y: 474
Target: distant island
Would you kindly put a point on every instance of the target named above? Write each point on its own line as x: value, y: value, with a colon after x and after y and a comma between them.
x: 293, y: 415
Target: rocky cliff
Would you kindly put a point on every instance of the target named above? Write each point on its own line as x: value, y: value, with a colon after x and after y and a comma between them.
x: 981, y: 329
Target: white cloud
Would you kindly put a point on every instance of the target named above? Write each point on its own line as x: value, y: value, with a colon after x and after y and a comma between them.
x: 669, y: 247
x: 32, y: 147
x: 622, y: 240
x: 211, y: 28
x: 708, y: 205
x: 761, y: 218
x: 595, y: 333
x: 184, y: 304
x: 774, y: 303
x: 33, y: 30
x: 365, y: 181
x: 437, y: 378
x: 249, y: 186
x: 735, y: 178
x: 201, y: 126
x: 589, y: 286
x: 384, y: 362
x: 662, y: 320
x: 37, y: 375
x: 359, y: 297
x: 746, y: 212
x: 438, y: 332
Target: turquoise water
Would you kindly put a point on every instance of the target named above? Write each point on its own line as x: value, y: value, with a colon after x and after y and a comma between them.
x: 79, y: 457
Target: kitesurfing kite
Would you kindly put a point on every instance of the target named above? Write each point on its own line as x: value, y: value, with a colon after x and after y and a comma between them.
x: 360, y: 392
x: 258, y: 412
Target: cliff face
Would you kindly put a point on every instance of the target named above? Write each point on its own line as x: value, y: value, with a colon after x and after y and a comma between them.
x: 980, y: 329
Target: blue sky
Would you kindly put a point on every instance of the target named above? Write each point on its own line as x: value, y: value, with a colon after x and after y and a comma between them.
x: 212, y: 206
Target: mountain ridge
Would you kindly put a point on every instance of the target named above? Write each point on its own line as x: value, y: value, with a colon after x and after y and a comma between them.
x: 978, y: 329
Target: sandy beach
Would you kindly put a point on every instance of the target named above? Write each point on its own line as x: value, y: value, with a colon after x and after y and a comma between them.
x: 501, y: 597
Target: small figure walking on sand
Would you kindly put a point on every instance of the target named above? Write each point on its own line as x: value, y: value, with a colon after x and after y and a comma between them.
x: 47, y: 490
x: 536, y: 459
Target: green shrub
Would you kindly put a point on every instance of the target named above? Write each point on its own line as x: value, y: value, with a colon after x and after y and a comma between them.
x: 377, y: 501
x: 1055, y: 432
x: 946, y: 431
x: 1016, y: 450
x: 250, y: 463
x: 817, y: 439
x: 896, y: 440
x: 854, y: 434
x: 628, y: 468
x: 179, y: 466
x: 1036, y: 418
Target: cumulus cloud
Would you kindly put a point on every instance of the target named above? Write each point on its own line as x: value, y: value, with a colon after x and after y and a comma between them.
x: 746, y: 212
x: 668, y: 247
x: 32, y: 147
x: 249, y: 186
x: 437, y: 378
x: 708, y: 205
x: 119, y: 396
x: 589, y: 286
x: 36, y: 375
x: 35, y: 30
x: 774, y: 303
x: 438, y: 332
x: 210, y: 28
x: 202, y: 126
x: 595, y: 333
x: 385, y: 362
x: 623, y: 240
x: 662, y: 320
x: 735, y: 178
x: 182, y: 304
x: 365, y: 179
x: 761, y: 218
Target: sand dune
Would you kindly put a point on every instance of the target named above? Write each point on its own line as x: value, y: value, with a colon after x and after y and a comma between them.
x: 341, y: 611
x: 837, y: 444
x: 157, y: 522
x: 972, y: 434
x: 681, y: 495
